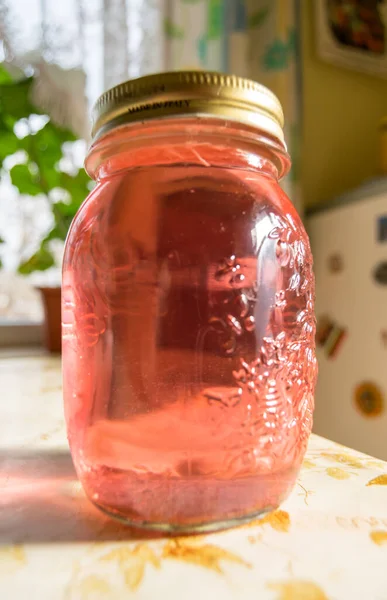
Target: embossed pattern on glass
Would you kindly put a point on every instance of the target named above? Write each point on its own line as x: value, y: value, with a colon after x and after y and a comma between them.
x: 188, y: 343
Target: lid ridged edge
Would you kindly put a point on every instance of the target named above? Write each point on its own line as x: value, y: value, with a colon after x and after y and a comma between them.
x: 184, y: 85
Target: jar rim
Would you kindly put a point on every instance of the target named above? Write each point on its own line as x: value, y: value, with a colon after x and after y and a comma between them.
x: 189, y: 93
x: 185, y: 131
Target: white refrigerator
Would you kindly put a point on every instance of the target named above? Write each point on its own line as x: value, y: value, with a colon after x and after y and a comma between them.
x: 349, y: 244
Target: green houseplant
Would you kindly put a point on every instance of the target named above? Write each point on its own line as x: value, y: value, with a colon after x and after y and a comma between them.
x: 39, y: 151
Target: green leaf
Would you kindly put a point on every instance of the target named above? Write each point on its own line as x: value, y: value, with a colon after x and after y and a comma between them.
x: 40, y: 261
x: 15, y: 99
x: 47, y: 144
x: 9, y: 144
x: 66, y: 209
x: 50, y: 177
x: 25, y: 181
x: 1, y: 240
x: 5, y: 77
x: 172, y: 30
x: 64, y: 214
x: 77, y: 187
x: 62, y: 134
x: 6, y: 122
x: 257, y: 18
x: 56, y: 233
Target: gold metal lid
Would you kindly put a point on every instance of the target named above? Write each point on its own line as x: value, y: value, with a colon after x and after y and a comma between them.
x: 185, y: 93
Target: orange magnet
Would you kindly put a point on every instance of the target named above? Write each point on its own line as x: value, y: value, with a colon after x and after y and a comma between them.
x: 369, y: 399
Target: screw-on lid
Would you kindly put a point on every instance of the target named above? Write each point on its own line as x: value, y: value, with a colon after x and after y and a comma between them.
x: 185, y: 93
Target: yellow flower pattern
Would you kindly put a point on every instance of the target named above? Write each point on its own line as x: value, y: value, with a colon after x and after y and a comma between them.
x: 337, y: 473
x: 326, y: 465
x: 379, y: 537
x: 132, y: 562
x: 297, y: 590
x: 379, y: 480
x: 112, y: 569
x: 208, y: 556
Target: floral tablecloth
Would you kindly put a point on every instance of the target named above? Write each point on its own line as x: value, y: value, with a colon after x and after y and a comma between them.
x: 328, y: 540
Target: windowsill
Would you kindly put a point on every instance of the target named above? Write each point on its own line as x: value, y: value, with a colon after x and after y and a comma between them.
x: 19, y: 333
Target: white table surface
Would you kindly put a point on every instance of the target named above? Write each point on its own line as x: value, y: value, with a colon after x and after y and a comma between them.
x: 329, y: 539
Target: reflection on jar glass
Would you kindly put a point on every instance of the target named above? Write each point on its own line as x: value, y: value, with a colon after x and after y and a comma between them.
x: 188, y: 307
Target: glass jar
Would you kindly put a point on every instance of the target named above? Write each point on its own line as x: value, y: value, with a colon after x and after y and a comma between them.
x: 188, y: 307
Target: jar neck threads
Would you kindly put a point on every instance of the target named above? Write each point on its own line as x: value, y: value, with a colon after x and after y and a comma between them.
x: 188, y: 141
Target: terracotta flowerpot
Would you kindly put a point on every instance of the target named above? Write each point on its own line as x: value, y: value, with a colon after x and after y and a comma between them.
x: 51, y: 297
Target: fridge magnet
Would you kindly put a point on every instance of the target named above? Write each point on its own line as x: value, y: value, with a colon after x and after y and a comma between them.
x: 382, y: 228
x: 335, y: 263
x: 369, y: 399
x: 380, y: 273
x: 334, y: 341
x: 353, y: 34
x: 324, y: 327
x: 330, y: 336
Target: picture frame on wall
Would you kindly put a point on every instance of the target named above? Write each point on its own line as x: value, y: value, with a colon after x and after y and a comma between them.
x: 353, y: 34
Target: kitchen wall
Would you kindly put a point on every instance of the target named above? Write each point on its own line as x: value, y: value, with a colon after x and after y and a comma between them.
x: 342, y: 110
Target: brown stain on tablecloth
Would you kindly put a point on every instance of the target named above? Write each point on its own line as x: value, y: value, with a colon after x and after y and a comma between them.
x: 132, y: 562
x: 297, y: 589
x: 208, y: 556
x: 278, y: 520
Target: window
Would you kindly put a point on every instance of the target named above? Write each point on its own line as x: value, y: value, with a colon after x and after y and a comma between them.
x: 75, y: 45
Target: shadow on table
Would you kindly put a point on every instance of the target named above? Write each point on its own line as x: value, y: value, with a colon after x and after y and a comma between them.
x: 41, y: 500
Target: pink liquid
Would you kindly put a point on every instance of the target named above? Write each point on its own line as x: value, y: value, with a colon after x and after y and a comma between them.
x: 188, y: 346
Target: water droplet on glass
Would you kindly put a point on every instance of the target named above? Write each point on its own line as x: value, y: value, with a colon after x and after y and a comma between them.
x: 224, y: 395
x: 242, y: 305
x: 238, y: 278
x: 275, y: 233
x: 249, y: 323
x: 294, y: 281
x: 240, y: 376
x: 234, y: 324
x: 283, y: 253
x: 251, y: 293
x: 225, y: 266
x: 229, y: 346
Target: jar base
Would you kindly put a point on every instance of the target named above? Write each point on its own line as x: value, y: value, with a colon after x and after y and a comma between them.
x: 189, y: 528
